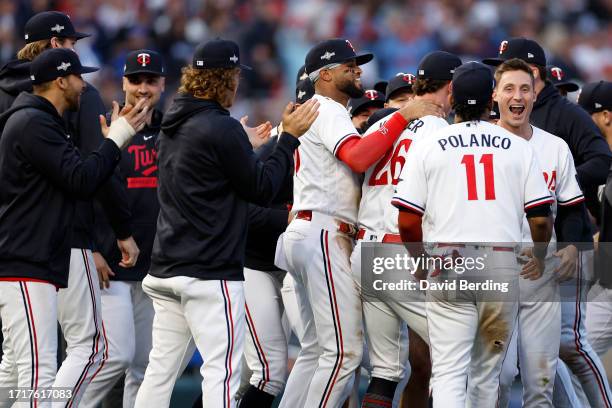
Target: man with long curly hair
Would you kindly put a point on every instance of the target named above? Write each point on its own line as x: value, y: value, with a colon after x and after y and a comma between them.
x: 207, y: 175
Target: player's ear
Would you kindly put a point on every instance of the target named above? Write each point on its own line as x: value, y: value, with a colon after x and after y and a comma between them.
x: 607, y: 117
x: 495, y: 94
x: 124, y: 84
x: 163, y: 83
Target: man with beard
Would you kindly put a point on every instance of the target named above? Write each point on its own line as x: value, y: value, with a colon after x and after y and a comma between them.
x: 127, y: 311
x: 318, y: 242
x: 41, y: 177
x: 79, y: 305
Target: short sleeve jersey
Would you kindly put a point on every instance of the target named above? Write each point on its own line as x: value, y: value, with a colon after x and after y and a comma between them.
x: 322, y: 182
x: 555, y: 160
x: 375, y: 210
x: 474, y: 181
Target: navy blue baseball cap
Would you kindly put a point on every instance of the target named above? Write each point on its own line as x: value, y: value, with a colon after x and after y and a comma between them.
x: 556, y: 75
x: 301, y: 74
x: 381, y: 86
x: 144, y: 62
x: 371, y: 97
x: 55, y: 63
x: 596, y: 96
x: 217, y: 54
x: 438, y: 65
x: 400, y: 82
x: 521, y: 48
x: 336, y: 50
x: 304, y: 90
x: 472, y: 84
x: 48, y: 24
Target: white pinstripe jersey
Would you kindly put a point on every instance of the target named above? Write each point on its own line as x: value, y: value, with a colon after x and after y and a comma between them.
x: 375, y: 210
x: 557, y: 165
x: 474, y: 181
x: 322, y: 182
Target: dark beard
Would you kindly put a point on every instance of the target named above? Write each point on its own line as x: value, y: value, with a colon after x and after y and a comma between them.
x: 351, y: 90
x: 73, y: 103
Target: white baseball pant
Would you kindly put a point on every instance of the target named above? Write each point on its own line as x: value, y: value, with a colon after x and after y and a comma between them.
x: 469, y: 334
x: 575, y: 350
x: 534, y: 344
x: 29, y: 314
x: 128, y: 321
x: 265, y: 346
x: 385, y: 318
x: 297, y: 310
x: 79, y: 313
x: 191, y: 312
x: 599, y: 319
x: 317, y: 255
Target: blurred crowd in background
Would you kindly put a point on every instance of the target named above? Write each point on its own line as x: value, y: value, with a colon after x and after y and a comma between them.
x: 274, y: 36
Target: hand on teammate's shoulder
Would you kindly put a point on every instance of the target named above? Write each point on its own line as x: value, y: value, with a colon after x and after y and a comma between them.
x: 297, y: 120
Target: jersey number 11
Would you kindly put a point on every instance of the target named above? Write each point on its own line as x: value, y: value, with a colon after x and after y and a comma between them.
x: 489, y: 178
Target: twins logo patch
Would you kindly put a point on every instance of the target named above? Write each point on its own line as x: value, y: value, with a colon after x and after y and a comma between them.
x: 58, y: 28
x: 503, y: 46
x: 371, y: 94
x: 143, y: 59
x: 557, y: 73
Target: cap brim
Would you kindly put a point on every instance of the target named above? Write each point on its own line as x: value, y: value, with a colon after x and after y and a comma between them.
x: 144, y: 71
x: 568, y: 86
x: 493, y: 61
x: 245, y: 67
x: 78, y: 35
x: 87, y: 70
x: 363, y: 58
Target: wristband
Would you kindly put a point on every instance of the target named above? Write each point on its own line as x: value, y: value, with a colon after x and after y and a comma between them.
x: 121, y: 132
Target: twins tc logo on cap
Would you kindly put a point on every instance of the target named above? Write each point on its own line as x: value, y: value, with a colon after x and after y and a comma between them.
x: 350, y: 45
x: 143, y: 59
x: 58, y: 28
x: 503, y: 46
x: 234, y: 58
x: 371, y: 94
x: 407, y: 77
x: 557, y: 73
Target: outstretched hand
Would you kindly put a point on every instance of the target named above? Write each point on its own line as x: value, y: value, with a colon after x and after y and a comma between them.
x: 258, y: 135
x: 296, y: 121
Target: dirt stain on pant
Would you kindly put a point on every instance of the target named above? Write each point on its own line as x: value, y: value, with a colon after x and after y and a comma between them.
x: 494, y: 330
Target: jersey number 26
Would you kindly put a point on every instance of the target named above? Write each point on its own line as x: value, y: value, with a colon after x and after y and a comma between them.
x: 398, y: 159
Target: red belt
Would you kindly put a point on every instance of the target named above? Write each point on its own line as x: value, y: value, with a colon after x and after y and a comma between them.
x: 394, y: 238
x: 343, y: 227
x: 495, y: 248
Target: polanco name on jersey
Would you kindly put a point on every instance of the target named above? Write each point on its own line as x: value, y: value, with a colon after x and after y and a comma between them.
x: 475, y: 141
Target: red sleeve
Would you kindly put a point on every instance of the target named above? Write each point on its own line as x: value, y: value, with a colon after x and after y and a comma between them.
x: 360, y: 154
x: 409, y: 224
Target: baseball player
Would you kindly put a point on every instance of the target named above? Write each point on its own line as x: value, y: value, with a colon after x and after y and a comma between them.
x: 596, y: 99
x: 318, y: 242
x: 399, y: 90
x: 534, y: 345
x: 468, y: 331
x: 42, y: 176
x: 127, y: 311
x: 207, y: 172
x: 363, y: 107
x: 270, y: 304
x: 560, y: 117
x: 79, y: 306
x: 377, y: 219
